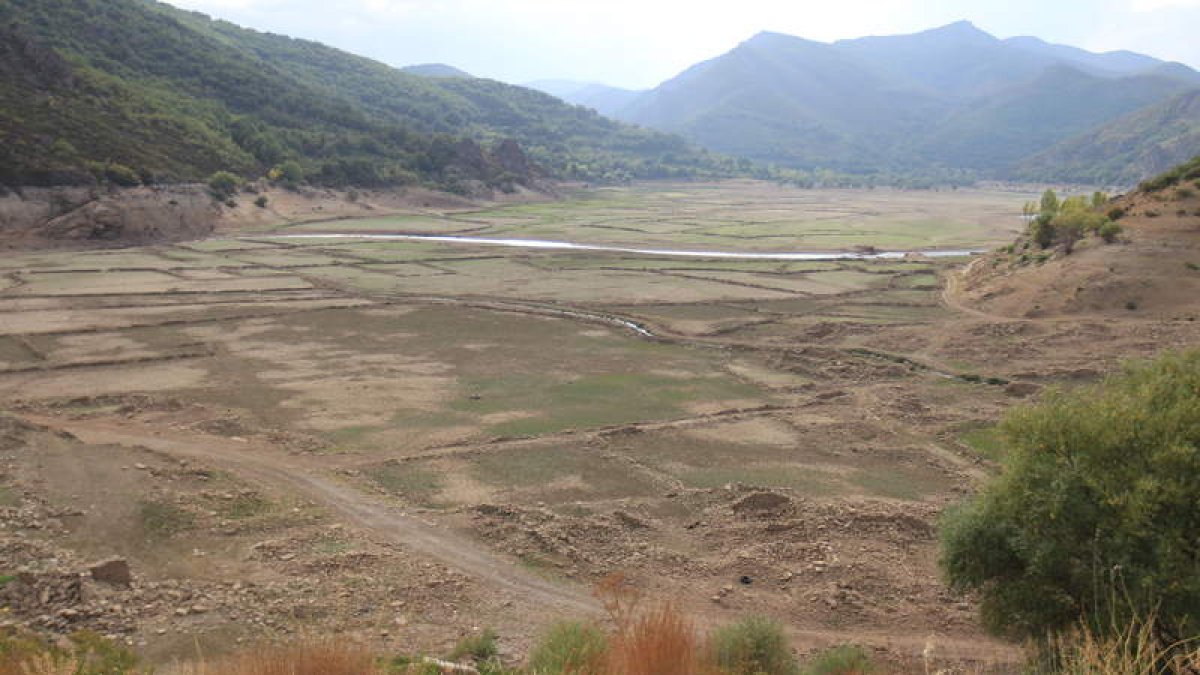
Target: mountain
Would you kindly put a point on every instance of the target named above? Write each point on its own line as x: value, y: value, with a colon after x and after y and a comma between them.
x: 1116, y: 63
x: 952, y: 98
x: 1123, y: 151
x: 602, y: 98
x: 1002, y: 129
x: 436, y: 70
x: 788, y: 100
x: 138, y: 90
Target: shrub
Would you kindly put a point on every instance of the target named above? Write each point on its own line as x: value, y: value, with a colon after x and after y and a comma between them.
x: 659, y: 642
x: 840, y: 660
x: 479, y: 648
x: 290, y: 173
x: 261, y: 202
x: 1116, y: 213
x: 1098, y: 493
x: 223, y: 183
x: 753, y: 646
x: 1109, y: 231
x: 121, y: 175
x: 569, y: 647
x: 86, y: 653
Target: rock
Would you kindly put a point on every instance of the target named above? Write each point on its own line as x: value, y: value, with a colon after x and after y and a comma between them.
x: 112, y: 571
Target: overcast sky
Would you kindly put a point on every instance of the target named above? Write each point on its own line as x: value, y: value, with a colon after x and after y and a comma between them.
x: 639, y: 43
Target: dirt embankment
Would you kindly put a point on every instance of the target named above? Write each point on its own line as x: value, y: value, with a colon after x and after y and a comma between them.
x: 75, y: 216
x: 89, y: 217
x: 1152, y: 269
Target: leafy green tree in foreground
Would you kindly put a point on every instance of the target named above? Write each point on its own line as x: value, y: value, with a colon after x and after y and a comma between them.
x: 1097, y: 512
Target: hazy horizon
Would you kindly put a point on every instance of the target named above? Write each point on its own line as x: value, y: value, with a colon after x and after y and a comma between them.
x: 638, y: 44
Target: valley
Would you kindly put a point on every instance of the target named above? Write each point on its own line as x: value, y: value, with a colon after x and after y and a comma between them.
x: 414, y: 440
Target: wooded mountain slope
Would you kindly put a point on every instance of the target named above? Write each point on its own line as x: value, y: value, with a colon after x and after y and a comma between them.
x: 98, y: 86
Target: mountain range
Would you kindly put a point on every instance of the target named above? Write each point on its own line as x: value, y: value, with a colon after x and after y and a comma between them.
x: 133, y: 91
x: 139, y: 91
x: 952, y: 97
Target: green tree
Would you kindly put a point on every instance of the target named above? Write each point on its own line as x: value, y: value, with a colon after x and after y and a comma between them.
x: 1049, y: 203
x: 224, y: 183
x: 1096, y: 512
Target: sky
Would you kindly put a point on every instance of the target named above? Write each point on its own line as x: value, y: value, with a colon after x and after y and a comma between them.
x: 639, y: 43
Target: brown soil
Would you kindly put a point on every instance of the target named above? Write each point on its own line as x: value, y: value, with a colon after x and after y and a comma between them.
x: 325, y: 453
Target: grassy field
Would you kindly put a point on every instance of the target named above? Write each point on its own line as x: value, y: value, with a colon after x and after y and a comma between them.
x: 736, y: 216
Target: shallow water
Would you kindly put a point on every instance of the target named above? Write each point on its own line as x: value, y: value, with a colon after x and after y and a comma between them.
x: 566, y: 245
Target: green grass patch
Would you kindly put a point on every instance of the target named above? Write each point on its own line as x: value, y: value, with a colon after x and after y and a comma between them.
x: 162, y: 519
x: 987, y: 441
x: 8, y: 497
x: 243, y: 506
x: 560, y: 474
x: 409, y: 481
x: 894, y: 483
x: 591, y: 400
x: 812, y: 482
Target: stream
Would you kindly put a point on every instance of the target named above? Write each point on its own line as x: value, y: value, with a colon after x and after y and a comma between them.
x: 569, y: 246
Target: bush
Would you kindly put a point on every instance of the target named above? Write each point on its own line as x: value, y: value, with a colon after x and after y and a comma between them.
x: 224, y: 183
x: 753, y: 646
x: 261, y: 202
x: 122, y: 175
x: 570, y: 647
x: 840, y: 660
x: 1116, y: 213
x: 659, y: 642
x: 1109, y: 232
x: 86, y: 653
x: 479, y: 648
x: 290, y: 173
x: 1097, y: 499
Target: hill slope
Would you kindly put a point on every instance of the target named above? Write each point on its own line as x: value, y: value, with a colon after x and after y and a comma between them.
x: 197, y: 95
x: 1141, y: 144
x: 953, y: 97
x: 1152, y: 269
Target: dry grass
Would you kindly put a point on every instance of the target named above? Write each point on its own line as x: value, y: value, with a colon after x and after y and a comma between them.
x: 1133, y: 649
x: 659, y: 642
x: 41, y: 664
x: 304, y: 658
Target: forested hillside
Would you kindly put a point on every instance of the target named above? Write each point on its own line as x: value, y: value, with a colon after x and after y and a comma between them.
x: 135, y: 90
x: 1141, y: 144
